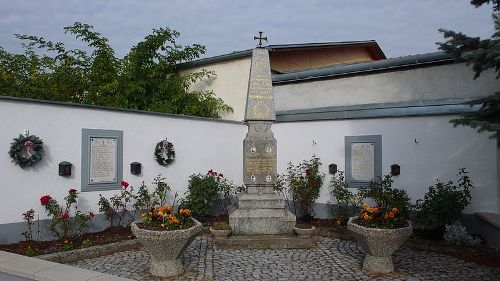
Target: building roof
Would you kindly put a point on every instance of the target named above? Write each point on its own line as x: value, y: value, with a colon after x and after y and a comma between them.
x: 363, y: 67
x: 372, y: 45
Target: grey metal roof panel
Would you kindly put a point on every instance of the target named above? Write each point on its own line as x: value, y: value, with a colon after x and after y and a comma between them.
x: 346, y: 69
x: 205, y: 61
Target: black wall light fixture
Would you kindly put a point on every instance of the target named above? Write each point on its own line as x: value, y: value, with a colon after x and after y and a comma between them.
x: 135, y: 168
x: 65, y: 169
x: 332, y: 168
x: 395, y: 170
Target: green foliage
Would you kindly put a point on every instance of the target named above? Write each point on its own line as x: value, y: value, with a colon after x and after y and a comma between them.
x: 68, y: 245
x: 30, y: 251
x: 443, y: 203
x: 204, y: 190
x: 146, y: 200
x: 117, y: 208
x: 62, y: 225
x: 29, y: 216
x: 86, y: 244
x: 347, y: 200
x: 483, y: 54
x: 386, y: 197
x: 145, y: 79
x: 303, y: 182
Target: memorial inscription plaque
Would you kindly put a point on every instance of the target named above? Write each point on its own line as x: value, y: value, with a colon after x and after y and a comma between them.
x: 363, y: 161
x: 102, y: 164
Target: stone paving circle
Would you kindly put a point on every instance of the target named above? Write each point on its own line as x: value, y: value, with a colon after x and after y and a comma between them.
x: 334, y: 259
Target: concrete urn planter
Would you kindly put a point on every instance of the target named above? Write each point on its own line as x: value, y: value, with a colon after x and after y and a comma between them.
x: 166, y: 247
x: 217, y: 233
x: 305, y: 232
x: 379, y: 245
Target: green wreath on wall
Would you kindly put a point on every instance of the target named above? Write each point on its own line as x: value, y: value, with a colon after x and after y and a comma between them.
x: 26, y: 150
x: 164, y: 152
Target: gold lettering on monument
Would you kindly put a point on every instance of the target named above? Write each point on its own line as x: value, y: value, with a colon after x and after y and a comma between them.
x: 260, y: 165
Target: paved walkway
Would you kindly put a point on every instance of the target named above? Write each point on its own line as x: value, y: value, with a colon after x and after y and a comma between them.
x: 333, y: 260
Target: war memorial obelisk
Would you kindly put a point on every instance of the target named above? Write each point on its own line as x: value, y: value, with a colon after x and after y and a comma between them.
x: 260, y: 211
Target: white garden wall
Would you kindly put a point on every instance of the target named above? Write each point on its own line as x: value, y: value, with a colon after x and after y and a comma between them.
x: 439, y: 153
x: 200, y: 145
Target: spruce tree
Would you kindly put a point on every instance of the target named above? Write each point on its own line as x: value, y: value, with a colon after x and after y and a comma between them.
x: 482, y: 54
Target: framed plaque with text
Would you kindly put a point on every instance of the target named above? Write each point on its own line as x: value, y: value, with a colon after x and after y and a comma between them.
x: 363, y: 155
x: 102, y: 159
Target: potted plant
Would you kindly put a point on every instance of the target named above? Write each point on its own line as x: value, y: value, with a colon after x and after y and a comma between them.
x: 220, y: 230
x: 382, y: 229
x: 165, y: 234
x: 304, y: 230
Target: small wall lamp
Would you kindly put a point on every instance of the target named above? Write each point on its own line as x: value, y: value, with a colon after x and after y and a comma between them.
x: 135, y: 168
x: 65, y: 169
x: 395, y: 170
x: 332, y: 168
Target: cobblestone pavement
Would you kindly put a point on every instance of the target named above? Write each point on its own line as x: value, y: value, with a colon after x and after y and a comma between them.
x: 333, y: 260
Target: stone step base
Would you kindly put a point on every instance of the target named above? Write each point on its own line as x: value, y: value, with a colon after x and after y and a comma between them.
x: 274, y: 242
x: 260, y: 201
x: 261, y: 221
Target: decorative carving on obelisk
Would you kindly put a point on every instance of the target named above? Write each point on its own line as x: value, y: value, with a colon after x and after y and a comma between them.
x: 259, y: 165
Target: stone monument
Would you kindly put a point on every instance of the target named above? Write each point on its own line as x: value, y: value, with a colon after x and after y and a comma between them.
x: 260, y: 210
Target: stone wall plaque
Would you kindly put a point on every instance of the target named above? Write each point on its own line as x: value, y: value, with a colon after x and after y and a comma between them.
x: 362, y: 161
x: 102, y: 159
x: 102, y: 164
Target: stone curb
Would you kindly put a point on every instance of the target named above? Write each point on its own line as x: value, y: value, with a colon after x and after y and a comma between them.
x: 92, y: 252
x: 37, y: 269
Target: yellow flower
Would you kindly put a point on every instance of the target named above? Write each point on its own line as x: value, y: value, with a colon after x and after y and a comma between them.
x: 394, y: 210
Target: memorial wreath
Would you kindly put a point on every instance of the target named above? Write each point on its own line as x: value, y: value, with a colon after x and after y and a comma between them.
x: 26, y: 150
x: 164, y: 152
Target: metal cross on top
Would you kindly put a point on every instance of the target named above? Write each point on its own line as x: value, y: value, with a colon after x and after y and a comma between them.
x: 260, y: 38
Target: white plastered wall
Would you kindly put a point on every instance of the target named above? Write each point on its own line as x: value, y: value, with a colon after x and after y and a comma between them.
x: 200, y: 145
x: 230, y: 84
x: 426, y: 148
x: 450, y: 81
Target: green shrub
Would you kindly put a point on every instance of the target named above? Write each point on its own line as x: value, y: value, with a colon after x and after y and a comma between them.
x: 443, y: 203
x: 146, y: 200
x: 204, y: 190
x: 303, y: 182
x: 347, y: 201
x: 116, y: 208
x: 386, y: 197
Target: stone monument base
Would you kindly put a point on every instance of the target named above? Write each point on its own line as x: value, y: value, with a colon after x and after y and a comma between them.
x: 273, y: 242
x: 261, y: 214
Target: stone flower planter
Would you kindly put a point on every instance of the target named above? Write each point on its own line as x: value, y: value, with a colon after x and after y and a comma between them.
x: 379, y: 245
x: 220, y: 233
x: 305, y: 232
x: 166, y: 247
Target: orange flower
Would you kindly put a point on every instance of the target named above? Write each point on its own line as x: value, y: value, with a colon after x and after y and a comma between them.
x: 143, y: 215
x: 186, y: 212
x: 166, y: 208
x: 174, y: 220
x: 386, y: 216
x: 391, y: 215
x: 365, y: 205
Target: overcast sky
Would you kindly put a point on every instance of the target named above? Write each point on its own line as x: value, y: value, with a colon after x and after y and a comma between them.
x: 401, y: 27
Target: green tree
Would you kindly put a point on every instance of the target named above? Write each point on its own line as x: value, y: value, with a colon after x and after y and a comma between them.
x: 145, y: 79
x: 483, y: 54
